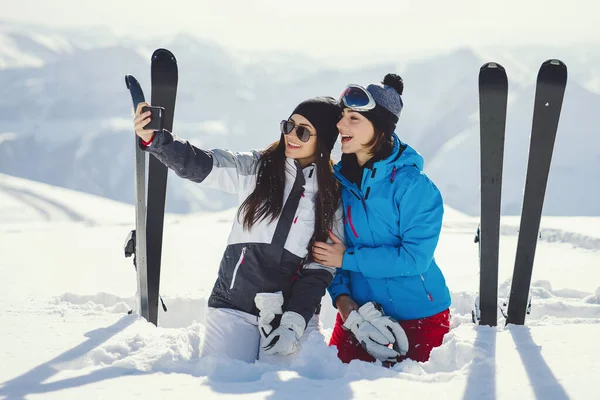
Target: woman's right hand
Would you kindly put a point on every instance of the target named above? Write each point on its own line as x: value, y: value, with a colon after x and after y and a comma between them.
x: 141, y: 120
x: 345, y: 306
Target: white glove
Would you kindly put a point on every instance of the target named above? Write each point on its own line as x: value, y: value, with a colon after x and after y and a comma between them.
x: 285, y: 340
x: 371, y: 339
x: 390, y: 328
x: 269, y: 305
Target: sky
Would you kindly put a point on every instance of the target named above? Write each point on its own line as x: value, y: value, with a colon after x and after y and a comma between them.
x: 324, y: 28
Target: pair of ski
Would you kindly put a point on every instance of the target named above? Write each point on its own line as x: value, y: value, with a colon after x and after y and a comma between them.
x: 145, y: 242
x: 493, y: 94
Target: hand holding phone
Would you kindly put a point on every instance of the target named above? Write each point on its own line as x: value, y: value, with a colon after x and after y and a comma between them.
x: 148, y: 120
x: 156, y: 118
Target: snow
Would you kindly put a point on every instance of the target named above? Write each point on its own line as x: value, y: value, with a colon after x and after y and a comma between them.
x: 54, y: 42
x: 11, y: 56
x: 66, y: 290
x: 23, y: 201
x: 8, y: 136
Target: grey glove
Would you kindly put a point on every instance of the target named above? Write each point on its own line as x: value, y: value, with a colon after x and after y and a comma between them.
x: 390, y: 328
x: 371, y: 339
x: 285, y: 340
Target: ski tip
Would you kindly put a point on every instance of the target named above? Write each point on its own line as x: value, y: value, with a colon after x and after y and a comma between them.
x: 555, y: 61
x: 130, y: 80
x: 492, y: 65
x: 553, y: 70
x: 492, y: 74
x: 163, y: 53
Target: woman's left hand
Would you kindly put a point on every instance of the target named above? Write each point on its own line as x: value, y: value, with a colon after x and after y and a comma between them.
x: 329, y: 254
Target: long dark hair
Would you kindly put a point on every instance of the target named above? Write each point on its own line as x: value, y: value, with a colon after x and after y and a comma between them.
x: 380, y: 146
x: 266, y: 201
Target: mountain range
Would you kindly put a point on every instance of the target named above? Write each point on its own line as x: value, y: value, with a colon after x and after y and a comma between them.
x: 65, y: 114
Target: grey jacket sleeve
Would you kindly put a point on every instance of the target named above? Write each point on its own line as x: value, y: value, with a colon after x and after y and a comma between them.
x: 314, y: 278
x: 216, y: 168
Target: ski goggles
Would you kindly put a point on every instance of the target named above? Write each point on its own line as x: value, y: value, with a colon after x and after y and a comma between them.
x: 303, y: 133
x: 357, y: 98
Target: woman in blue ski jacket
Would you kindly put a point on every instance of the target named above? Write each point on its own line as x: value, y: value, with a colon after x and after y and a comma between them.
x: 393, y: 217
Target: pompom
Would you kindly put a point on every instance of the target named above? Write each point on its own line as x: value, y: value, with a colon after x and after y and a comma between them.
x: 394, y: 81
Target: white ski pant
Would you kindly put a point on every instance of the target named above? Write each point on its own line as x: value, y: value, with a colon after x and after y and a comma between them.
x: 234, y: 334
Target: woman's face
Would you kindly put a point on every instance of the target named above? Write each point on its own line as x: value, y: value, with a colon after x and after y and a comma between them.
x: 304, y: 152
x: 355, y: 132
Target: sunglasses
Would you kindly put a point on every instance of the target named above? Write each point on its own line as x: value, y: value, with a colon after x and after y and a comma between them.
x: 302, y: 132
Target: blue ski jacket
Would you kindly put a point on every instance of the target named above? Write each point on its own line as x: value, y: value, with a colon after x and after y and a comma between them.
x: 392, y: 224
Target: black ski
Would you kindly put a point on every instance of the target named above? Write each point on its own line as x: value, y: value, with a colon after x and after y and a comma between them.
x: 550, y: 90
x: 493, y: 94
x: 136, y: 241
x: 164, y: 76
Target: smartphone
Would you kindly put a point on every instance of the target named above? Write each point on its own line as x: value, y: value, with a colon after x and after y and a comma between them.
x: 156, y: 118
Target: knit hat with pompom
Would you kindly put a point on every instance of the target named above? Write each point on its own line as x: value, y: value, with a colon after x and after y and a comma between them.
x: 388, y: 99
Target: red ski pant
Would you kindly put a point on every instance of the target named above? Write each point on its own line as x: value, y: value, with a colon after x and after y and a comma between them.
x: 423, y: 335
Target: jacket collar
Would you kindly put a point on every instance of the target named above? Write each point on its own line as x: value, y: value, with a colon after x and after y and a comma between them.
x: 349, y: 173
x: 309, y: 174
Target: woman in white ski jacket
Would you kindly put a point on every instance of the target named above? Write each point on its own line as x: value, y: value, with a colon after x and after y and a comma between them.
x: 268, y: 290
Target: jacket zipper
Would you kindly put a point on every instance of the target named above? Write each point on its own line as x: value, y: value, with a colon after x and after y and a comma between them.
x: 237, y: 266
x: 393, y: 174
x: 429, y: 296
x: 349, y: 213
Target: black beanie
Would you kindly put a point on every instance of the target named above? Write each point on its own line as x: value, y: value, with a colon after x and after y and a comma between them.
x: 323, y: 113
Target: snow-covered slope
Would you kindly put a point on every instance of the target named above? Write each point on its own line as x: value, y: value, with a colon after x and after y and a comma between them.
x: 23, y: 202
x: 66, y: 289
